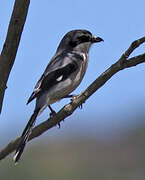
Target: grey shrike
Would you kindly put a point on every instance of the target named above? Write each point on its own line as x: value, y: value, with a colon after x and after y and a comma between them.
x: 63, y: 74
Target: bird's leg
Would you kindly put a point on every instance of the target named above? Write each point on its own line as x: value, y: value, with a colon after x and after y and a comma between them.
x: 69, y: 96
x: 53, y: 114
x: 52, y: 111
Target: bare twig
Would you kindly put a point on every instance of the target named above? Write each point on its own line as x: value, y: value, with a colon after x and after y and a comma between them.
x: 11, y: 44
x: 70, y: 108
x: 132, y: 47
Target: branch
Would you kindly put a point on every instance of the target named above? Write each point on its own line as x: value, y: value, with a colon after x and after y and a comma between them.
x: 11, y: 44
x: 68, y: 109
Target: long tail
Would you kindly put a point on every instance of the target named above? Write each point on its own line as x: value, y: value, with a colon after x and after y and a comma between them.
x: 25, y: 136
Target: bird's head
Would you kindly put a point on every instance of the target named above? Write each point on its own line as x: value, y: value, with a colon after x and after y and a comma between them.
x: 78, y: 40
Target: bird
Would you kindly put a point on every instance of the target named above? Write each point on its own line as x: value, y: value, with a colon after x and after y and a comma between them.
x: 61, y: 77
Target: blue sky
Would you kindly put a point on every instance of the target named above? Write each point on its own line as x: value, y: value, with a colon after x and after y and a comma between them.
x: 111, y: 108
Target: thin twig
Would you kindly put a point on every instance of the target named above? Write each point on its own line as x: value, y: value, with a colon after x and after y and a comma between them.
x: 131, y: 48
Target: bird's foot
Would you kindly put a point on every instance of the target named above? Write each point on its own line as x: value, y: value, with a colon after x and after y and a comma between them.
x: 52, y: 114
x: 75, y: 97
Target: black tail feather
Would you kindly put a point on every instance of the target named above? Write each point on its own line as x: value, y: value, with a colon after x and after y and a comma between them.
x: 25, y: 136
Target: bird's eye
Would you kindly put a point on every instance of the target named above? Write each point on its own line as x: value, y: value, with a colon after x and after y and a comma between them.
x: 84, y: 38
x: 79, y: 40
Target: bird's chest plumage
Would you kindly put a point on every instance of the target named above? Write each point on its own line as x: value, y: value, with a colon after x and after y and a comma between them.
x: 78, y: 75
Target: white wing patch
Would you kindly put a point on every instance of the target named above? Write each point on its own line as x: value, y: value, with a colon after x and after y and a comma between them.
x: 59, y: 78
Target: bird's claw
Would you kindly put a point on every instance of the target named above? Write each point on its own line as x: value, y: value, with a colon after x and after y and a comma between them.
x: 81, y: 106
x: 75, y: 97
x: 52, y: 114
x: 58, y: 124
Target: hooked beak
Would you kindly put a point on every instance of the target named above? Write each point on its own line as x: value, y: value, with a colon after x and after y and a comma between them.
x: 96, y: 39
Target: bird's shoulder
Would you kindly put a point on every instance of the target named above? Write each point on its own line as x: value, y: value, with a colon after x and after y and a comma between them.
x: 62, y: 59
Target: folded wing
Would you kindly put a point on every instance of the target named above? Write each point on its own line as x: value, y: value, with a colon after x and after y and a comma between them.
x: 57, y: 70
